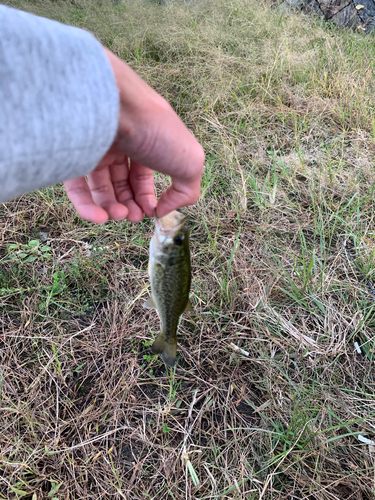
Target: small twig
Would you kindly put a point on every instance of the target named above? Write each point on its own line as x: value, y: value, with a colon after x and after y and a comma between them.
x: 357, y: 266
x: 238, y: 349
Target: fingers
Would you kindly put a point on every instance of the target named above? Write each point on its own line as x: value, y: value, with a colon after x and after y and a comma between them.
x: 79, y: 194
x: 178, y: 195
x: 142, y: 183
x: 134, y: 188
x: 124, y: 194
x: 113, y: 191
x: 186, y: 182
x: 103, y: 193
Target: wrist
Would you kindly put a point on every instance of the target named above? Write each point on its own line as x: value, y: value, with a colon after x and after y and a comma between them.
x: 137, y: 99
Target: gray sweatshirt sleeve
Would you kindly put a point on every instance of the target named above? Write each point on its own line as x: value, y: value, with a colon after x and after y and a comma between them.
x: 59, y: 102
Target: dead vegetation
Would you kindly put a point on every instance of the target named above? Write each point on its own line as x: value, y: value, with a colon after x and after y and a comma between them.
x: 284, y: 109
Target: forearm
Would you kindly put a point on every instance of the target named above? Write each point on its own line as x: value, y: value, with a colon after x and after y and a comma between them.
x: 59, y: 102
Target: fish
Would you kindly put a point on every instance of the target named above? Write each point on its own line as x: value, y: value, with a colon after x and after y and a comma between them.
x: 169, y: 269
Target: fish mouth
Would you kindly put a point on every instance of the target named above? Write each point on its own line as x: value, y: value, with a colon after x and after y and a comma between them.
x: 171, y: 222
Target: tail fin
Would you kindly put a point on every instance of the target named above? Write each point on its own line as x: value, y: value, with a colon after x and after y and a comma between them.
x: 168, y: 350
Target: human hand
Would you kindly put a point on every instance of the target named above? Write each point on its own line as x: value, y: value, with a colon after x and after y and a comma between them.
x: 150, y: 137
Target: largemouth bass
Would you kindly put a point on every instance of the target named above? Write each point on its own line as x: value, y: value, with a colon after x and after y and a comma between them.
x: 170, y: 276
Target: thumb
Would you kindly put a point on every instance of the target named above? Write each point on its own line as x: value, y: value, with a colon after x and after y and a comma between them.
x: 178, y: 195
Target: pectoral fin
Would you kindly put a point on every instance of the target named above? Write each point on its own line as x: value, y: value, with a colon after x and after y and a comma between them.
x: 150, y: 303
x: 188, y: 307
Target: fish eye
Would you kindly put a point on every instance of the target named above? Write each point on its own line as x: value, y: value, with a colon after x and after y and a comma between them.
x: 178, y: 240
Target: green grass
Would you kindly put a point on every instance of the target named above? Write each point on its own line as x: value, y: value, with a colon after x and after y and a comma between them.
x: 284, y: 107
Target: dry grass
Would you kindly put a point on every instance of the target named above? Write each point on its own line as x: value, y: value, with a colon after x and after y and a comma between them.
x: 284, y: 108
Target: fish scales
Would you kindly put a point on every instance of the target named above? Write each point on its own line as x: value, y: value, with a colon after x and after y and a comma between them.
x: 170, y: 286
x: 170, y: 276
